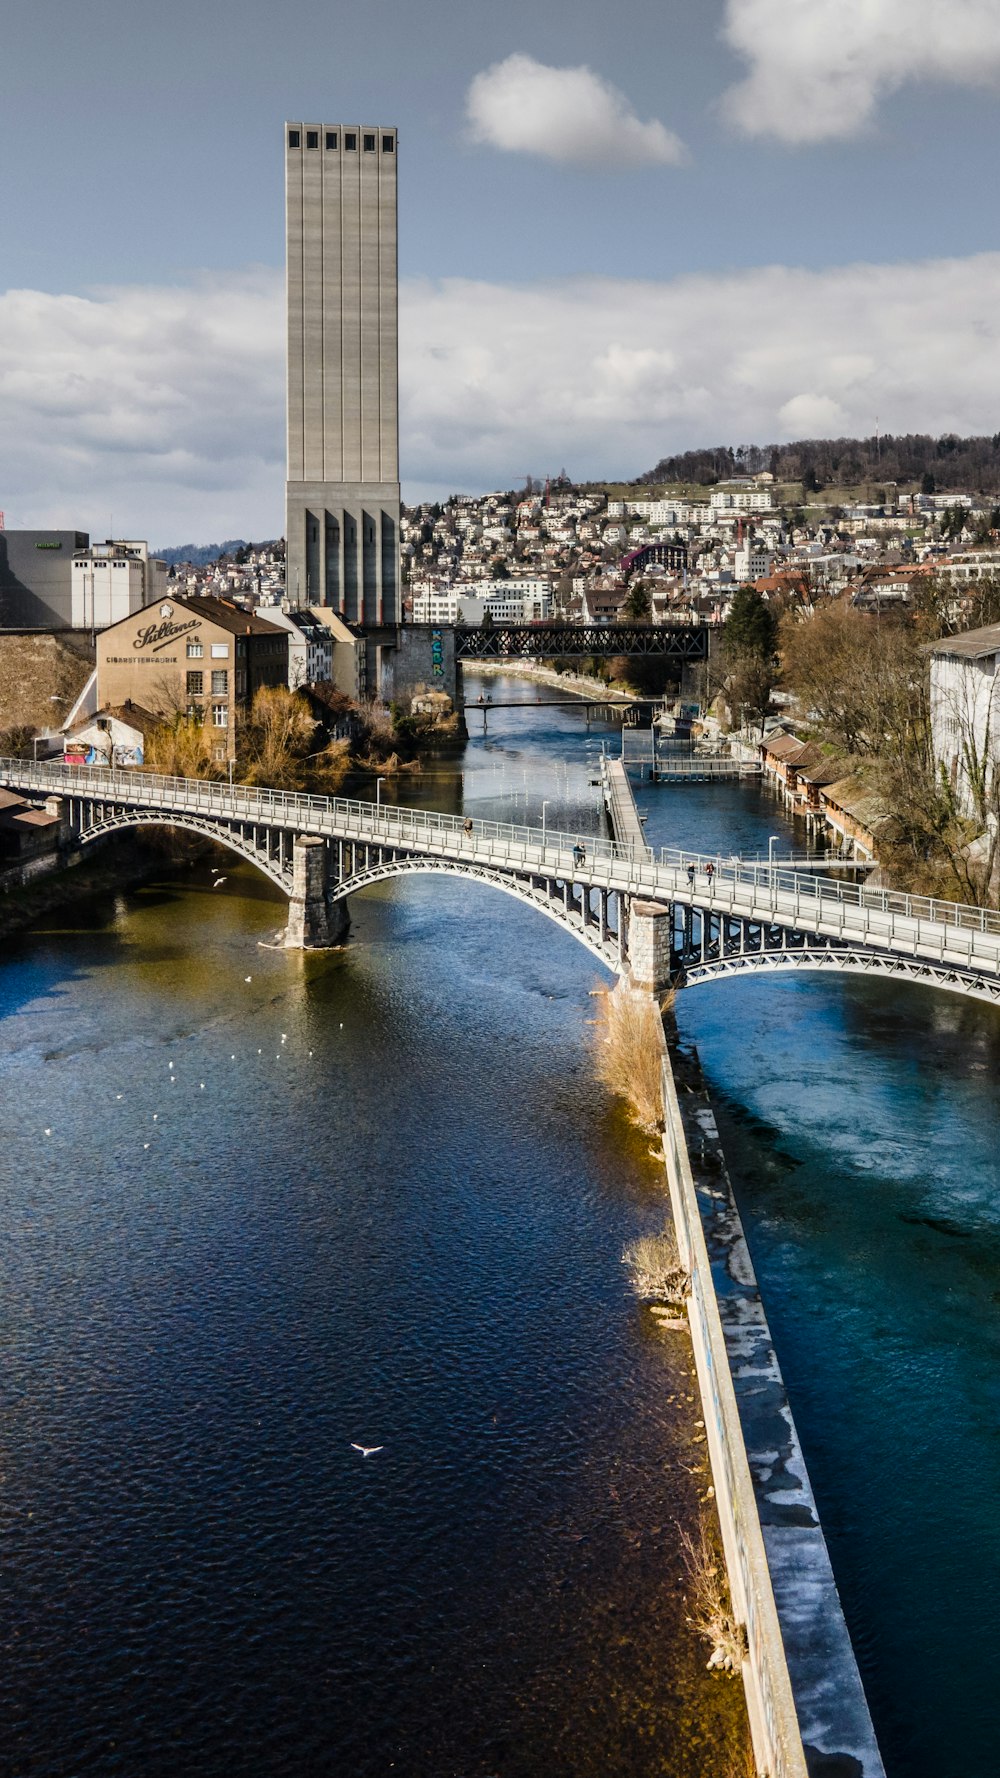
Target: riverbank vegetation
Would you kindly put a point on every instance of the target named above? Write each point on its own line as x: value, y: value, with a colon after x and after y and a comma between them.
x: 628, y: 1053
x: 710, y: 1605
x: 656, y: 1272
x: 299, y: 741
x: 862, y: 683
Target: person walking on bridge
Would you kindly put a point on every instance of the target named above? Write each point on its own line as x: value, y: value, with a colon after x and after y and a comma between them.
x: 690, y: 876
x: 710, y: 872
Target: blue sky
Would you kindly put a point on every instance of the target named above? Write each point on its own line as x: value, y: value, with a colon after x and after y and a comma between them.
x: 622, y: 231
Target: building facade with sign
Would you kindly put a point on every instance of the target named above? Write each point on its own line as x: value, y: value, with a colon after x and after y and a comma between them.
x: 198, y: 657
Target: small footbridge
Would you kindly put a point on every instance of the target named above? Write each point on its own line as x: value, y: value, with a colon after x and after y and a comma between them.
x: 673, y: 919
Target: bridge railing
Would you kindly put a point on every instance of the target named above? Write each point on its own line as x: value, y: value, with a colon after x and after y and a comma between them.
x: 516, y: 843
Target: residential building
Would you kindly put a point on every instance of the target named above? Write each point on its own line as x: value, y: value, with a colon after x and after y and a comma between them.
x: 342, y: 492
x: 965, y: 711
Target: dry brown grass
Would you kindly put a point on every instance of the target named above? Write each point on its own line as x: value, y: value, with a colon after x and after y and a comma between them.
x: 709, y: 1600
x: 629, y: 1053
x: 655, y: 1266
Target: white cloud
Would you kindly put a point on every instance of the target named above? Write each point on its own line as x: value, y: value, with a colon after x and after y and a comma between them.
x: 161, y: 406
x: 568, y: 115
x: 606, y: 376
x: 165, y: 405
x: 818, y: 68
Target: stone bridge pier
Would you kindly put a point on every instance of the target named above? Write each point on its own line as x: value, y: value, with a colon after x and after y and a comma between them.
x: 649, y: 947
x: 315, y: 921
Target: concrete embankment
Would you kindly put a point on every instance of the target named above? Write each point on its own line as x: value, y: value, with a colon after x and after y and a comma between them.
x: 807, y: 1707
x: 117, y: 866
x: 581, y: 685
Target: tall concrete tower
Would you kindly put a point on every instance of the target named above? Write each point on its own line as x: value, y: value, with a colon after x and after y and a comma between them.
x: 342, y: 493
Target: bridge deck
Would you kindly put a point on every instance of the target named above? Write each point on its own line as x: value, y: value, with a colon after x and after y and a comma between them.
x: 947, y: 935
x: 622, y: 812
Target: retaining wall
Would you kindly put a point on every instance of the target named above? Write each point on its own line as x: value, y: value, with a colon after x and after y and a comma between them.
x: 807, y: 1708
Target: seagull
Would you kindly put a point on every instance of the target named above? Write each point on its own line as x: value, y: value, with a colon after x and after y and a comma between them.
x: 48, y: 1132
x: 367, y: 1450
x: 119, y: 1095
x: 145, y: 1145
x: 219, y: 882
x: 155, y: 1116
x: 201, y: 1083
x: 248, y: 978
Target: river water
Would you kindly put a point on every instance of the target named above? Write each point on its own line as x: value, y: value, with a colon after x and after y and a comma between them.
x: 383, y: 1202
x: 861, y: 1122
x: 259, y: 1208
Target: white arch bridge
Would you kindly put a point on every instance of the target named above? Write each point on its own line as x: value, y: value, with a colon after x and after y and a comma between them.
x: 662, y: 919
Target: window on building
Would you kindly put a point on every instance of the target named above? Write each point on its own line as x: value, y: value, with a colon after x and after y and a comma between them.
x: 241, y: 682
x: 194, y: 651
x: 312, y: 138
x: 194, y: 712
x: 350, y: 140
x: 220, y: 715
x: 294, y: 139
x: 220, y: 683
x: 369, y: 145
x: 331, y: 138
x: 220, y: 651
x: 388, y: 144
x: 195, y: 684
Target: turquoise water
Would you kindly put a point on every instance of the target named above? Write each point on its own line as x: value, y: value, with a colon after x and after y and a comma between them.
x: 861, y: 1120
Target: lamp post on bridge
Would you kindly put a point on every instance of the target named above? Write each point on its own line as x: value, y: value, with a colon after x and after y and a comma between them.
x: 545, y: 805
x: 771, y: 843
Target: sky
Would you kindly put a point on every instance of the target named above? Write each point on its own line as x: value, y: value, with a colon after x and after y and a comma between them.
x: 624, y: 232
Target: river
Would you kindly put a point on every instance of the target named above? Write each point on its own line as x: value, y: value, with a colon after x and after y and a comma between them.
x: 383, y: 1202
x: 260, y: 1208
x: 861, y: 1122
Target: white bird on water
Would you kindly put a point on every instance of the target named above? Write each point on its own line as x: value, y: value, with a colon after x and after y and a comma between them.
x: 367, y: 1450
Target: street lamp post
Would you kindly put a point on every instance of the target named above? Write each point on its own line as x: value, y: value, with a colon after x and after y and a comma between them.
x: 544, y: 807
x: 771, y: 843
x: 378, y: 793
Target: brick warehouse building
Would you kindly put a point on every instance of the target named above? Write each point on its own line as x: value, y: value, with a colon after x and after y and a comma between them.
x: 198, y: 656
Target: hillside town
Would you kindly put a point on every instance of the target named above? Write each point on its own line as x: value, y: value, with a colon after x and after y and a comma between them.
x: 600, y: 555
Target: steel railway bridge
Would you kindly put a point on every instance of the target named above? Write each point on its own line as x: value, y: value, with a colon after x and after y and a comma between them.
x: 663, y: 920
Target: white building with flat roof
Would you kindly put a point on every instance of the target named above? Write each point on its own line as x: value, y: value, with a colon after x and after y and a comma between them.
x: 111, y: 580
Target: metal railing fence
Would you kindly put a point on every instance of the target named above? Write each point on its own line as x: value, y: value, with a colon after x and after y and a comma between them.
x: 788, y: 893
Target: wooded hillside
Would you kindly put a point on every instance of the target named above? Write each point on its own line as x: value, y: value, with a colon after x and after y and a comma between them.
x: 936, y: 464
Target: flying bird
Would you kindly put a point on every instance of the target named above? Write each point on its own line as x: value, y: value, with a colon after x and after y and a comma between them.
x: 367, y: 1450
x: 219, y: 882
x: 248, y: 978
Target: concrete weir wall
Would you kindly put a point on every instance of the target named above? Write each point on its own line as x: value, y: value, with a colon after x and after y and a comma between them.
x: 808, y: 1712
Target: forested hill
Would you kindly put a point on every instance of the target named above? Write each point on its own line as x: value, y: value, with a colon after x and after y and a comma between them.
x: 914, y: 457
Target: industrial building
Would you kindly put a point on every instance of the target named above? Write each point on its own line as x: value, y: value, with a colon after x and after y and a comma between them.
x: 342, y: 491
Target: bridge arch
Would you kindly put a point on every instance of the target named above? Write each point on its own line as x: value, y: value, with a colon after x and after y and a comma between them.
x: 412, y: 864
x: 832, y: 961
x: 204, y: 827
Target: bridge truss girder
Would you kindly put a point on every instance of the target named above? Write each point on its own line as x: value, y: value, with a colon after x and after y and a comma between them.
x: 712, y: 947
x: 267, y: 854
x: 590, y: 915
x: 522, y: 642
